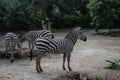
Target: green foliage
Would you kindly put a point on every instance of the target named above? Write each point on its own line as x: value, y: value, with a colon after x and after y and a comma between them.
x: 114, y: 65
x: 71, y: 21
x: 98, y: 78
x: 104, y: 13
x: 19, y: 15
x: 91, y: 4
x: 16, y: 15
x: 71, y: 13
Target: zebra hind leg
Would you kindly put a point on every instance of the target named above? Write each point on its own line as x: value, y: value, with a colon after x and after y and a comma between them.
x: 12, y: 57
x: 64, y: 59
x: 38, y: 66
x: 12, y: 60
x: 6, y: 54
x: 38, y: 63
x: 19, y: 54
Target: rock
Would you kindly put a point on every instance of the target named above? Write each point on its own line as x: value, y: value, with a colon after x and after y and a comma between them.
x: 72, y: 76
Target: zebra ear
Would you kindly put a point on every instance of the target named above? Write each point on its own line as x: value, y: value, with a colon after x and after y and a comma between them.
x: 80, y: 28
x: 20, y: 34
x: 77, y: 28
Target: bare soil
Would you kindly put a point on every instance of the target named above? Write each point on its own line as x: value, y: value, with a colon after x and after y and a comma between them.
x: 87, y: 58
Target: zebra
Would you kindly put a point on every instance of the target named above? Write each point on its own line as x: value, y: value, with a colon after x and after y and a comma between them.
x: 32, y: 35
x: 64, y: 46
x: 11, y: 44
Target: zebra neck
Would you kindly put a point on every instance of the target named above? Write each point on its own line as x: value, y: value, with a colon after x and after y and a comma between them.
x: 72, y: 39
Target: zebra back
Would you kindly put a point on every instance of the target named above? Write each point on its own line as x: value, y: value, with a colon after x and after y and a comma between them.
x: 11, y: 40
x: 32, y: 35
x: 63, y: 45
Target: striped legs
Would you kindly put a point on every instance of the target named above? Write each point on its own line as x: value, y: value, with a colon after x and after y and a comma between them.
x: 6, y: 52
x: 31, y: 47
x: 68, y: 60
x: 38, y: 62
x: 64, y: 59
x: 12, y: 59
x: 11, y: 51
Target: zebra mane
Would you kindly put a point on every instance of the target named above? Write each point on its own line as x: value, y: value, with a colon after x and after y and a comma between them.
x: 21, y: 37
x: 76, y: 28
x: 73, y: 30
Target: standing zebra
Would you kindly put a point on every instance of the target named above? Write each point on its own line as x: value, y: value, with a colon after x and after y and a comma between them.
x: 65, y: 46
x: 32, y: 35
x: 11, y: 42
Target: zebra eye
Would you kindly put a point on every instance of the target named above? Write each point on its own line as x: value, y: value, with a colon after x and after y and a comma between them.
x: 80, y: 33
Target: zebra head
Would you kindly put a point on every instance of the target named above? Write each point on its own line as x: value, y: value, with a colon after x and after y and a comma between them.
x: 22, y: 38
x: 19, y: 45
x: 80, y: 35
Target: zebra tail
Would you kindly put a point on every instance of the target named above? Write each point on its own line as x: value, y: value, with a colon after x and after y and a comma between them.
x: 52, y: 36
x: 31, y: 54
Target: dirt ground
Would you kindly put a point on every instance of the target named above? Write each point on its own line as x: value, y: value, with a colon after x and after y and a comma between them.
x: 87, y: 57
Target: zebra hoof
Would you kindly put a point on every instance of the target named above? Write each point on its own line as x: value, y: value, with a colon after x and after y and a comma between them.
x: 38, y: 71
x: 64, y: 68
x: 70, y: 69
x: 7, y: 57
x: 41, y: 70
x: 12, y: 60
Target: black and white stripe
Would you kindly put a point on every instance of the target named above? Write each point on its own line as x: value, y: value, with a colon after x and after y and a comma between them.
x: 11, y: 44
x: 65, y: 46
x: 32, y: 35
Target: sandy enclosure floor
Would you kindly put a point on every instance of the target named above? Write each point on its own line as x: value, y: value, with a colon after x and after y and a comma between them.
x: 87, y: 57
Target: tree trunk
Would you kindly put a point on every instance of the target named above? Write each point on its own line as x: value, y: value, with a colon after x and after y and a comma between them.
x: 46, y: 24
x: 110, y: 30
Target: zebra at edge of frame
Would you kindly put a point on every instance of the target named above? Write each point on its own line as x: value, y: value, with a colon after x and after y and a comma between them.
x: 12, y: 44
x: 64, y: 46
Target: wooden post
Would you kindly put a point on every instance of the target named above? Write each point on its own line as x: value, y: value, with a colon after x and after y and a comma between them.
x: 46, y: 24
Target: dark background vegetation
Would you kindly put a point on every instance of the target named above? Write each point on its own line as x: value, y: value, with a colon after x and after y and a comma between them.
x: 17, y: 15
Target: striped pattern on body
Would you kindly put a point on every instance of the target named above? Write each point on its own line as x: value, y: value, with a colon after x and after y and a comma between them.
x: 65, y: 46
x: 11, y: 44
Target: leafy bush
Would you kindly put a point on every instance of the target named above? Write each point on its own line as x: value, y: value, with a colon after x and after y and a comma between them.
x: 104, y: 13
x: 98, y: 78
x: 68, y: 21
x: 16, y: 15
x: 114, y: 65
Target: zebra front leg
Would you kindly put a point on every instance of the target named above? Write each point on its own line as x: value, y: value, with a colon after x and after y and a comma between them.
x: 68, y: 59
x: 32, y: 45
x: 19, y: 54
x: 31, y: 52
x: 64, y: 59
x: 29, y: 44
